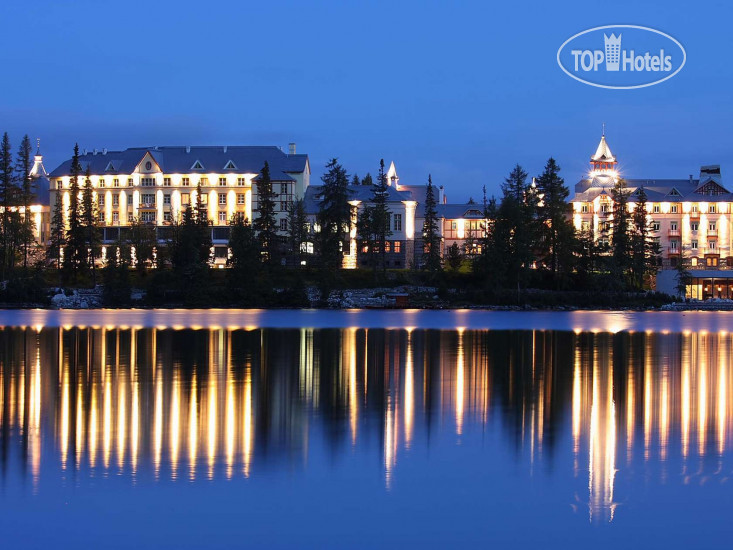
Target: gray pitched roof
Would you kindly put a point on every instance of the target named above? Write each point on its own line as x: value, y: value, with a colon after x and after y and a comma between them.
x: 179, y: 160
x: 458, y: 211
x: 361, y: 193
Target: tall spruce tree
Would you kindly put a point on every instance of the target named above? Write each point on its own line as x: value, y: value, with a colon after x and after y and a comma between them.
x: 90, y: 222
x: 297, y: 228
x: 557, y: 234
x: 517, y: 221
x: 24, y: 165
x: 57, y: 236
x: 621, y: 246
x: 264, y: 223
x: 430, y: 231
x: 365, y: 235
x: 381, y: 215
x: 7, y: 196
x: 334, y: 215
x: 76, y: 251
x: 244, y: 261
x: 367, y: 180
x: 645, y: 249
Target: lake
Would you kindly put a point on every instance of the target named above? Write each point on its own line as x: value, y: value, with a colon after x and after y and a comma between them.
x: 333, y: 429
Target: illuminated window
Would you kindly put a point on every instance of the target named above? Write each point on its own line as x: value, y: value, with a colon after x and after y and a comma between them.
x: 222, y: 216
x: 129, y: 200
x: 167, y: 200
x: 673, y: 209
x: 584, y: 209
x: 693, y: 245
x: 166, y: 182
x: 222, y: 182
x: 116, y: 182
x: 148, y: 216
x: 59, y: 184
x: 655, y: 209
x: 711, y: 245
x: 203, y: 182
x: 387, y: 247
x: 694, y: 208
x: 130, y: 182
x: 711, y: 226
x: 694, y: 226
x: 185, y: 198
x: 240, y: 198
x: 115, y: 200
x: 241, y: 182
x: 101, y: 217
x: 101, y: 182
x: 397, y: 246
x: 148, y: 199
x: 115, y: 217
x: 222, y: 199
x: 100, y: 200
x: 147, y: 182
x: 711, y: 209
x: 185, y: 182
x: 130, y: 218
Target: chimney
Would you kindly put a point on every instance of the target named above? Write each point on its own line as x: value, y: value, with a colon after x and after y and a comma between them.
x: 225, y: 148
x: 94, y: 152
x: 188, y: 148
x: 85, y: 152
x: 104, y: 151
x: 440, y: 194
x: 690, y: 178
x: 291, y: 148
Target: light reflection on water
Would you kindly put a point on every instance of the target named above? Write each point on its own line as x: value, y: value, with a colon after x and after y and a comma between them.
x: 220, y: 404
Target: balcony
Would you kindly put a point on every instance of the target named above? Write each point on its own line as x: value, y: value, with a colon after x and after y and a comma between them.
x: 712, y: 232
x: 672, y: 250
x: 147, y: 205
x: 673, y: 233
x: 695, y: 215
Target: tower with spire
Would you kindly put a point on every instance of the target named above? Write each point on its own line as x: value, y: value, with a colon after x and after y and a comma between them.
x: 603, y: 163
x: 38, y: 169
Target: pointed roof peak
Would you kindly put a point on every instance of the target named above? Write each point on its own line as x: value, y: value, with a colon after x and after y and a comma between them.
x: 603, y: 152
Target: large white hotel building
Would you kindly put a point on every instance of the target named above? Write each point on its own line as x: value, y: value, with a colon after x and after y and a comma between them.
x: 691, y: 219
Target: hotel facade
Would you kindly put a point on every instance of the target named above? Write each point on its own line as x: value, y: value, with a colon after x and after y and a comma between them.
x: 156, y: 184
x: 690, y: 219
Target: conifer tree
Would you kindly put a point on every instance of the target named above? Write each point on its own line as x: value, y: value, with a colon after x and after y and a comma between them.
x: 556, y: 230
x: 58, y: 233
x: 90, y: 221
x: 24, y: 165
x: 365, y: 235
x: 334, y: 215
x: 264, y: 223
x: 621, y: 246
x: 645, y: 250
x: 517, y: 222
x: 380, y: 215
x: 7, y: 196
x: 367, y: 180
x: 76, y: 252
x: 297, y: 228
x: 430, y: 231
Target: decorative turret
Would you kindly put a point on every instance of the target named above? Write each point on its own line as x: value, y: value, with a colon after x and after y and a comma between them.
x: 38, y: 169
x: 603, y: 163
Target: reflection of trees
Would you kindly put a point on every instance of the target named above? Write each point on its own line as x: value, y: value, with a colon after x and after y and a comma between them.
x: 223, y: 401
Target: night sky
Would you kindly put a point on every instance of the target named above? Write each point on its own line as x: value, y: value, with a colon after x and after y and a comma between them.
x: 461, y: 90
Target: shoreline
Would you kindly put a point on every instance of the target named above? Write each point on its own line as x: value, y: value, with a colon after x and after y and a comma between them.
x: 408, y: 319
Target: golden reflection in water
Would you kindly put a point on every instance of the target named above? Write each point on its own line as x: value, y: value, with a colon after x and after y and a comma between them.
x: 460, y: 381
x: 409, y: 399
x: 133, y: 406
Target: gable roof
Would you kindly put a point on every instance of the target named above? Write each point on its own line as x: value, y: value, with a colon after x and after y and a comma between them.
x: 603, y: 152
x: 249, y: 159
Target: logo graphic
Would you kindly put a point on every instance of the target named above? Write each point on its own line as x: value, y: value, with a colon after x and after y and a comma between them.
x: 598, y: 58
x: 613, y: 48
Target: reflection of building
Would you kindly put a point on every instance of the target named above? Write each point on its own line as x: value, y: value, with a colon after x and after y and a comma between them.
x: 199, y: 404
x: 156, y: 184
x: 690, y: 218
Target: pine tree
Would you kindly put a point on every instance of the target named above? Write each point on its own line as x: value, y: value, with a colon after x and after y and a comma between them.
x: 142, y: 237
x: 76, y: 252
x: 517, y: 222
x: 297, y: 228
x: 431, y: 234
x: 556, y: 229
x: 355, y: 180
x: 645, y: 250
x: 365, y: 236
x: 264, y: 223
x: 621, y: 246
x: 334, y: 215
x: 58, y: 233
x: 24, y: 165
x: 7, y: 197
x: 455, y: 257
x: 90, y: 221
x: 367, y: 180
x: 381, y: 215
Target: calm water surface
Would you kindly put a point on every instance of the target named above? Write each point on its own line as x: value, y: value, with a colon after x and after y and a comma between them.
x: 325, y: 429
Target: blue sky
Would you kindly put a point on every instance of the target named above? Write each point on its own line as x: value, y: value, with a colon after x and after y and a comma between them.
x: 461, y: 90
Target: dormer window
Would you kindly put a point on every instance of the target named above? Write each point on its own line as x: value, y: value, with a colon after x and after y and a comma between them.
x: 197, y: 166
x: 230, y: 166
